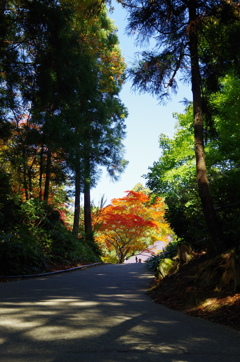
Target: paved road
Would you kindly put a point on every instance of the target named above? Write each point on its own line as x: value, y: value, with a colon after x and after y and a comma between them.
x: 102, y: 314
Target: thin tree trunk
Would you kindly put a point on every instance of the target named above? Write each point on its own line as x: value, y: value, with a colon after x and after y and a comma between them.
x: 2, y: 7
x: 41, y: 173
x: 25, y: 183
x: 30, y: 181
x: 202, y: 179
x: 76, y: 217
x: 3, y: 27
x: 87, y: 210
x: 48, y: 175
x: 30, y: 176
x: 87, y: 196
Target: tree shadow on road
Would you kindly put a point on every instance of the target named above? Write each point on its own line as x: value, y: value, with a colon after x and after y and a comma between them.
x: 102, y: 314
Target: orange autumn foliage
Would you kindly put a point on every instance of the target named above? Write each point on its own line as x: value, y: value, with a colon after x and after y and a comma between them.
x: 130, y: 224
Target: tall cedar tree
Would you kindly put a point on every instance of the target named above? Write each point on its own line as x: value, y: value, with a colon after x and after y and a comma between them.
x: 96, y: 116
x: 176, y: 27
x: 34, y: 57
x: 61, y: 61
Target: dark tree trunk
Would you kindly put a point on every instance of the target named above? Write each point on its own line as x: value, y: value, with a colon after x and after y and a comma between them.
x: 202, y: 179
x: 48, y: 175
x: 76, y: 217
x: 25, y: 183
x: 41, y: 173
x: 87, y: 186
x: 121, y: 259
x: 87, y: 210
x: 30, y: 181
x: 3, y: 27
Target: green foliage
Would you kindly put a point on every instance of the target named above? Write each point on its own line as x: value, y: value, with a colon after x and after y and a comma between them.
x: 185, y: 44
x: 167, y: 253
x: 109, y: 258
x: 38, y: 240
x: 220, y: 45
x: 224, y: 157
x: 164, y: 267
x: 173, y: 175
x: 20, y: 253
x: 226, y: 113
x: 60, y: 117
x: 67, y: 249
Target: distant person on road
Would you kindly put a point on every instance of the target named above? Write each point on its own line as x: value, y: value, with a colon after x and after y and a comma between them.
x: 136, y: 259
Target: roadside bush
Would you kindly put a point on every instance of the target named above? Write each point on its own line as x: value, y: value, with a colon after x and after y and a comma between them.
x: 19, y: 255
x: 164, y: 267
x: 9, y: 204
x: 38, y: 240
x: 168, y: 252
x: 67, y: 248
x: 109, y: 258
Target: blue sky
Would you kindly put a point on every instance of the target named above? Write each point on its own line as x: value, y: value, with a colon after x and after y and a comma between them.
x: 146, y: 121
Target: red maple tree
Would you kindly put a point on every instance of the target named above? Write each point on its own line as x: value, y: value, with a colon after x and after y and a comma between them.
x: 130, y: 224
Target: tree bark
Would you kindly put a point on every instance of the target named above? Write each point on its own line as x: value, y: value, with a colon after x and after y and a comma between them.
x: 41, y: 173
x: 76, y: 218
x: 87, y: 196
x: 25, y: 183
x: 48, y: 175
x: 3, y: 27
x: 87, y: 210
x: 121, y: 259
x: 201, y: 169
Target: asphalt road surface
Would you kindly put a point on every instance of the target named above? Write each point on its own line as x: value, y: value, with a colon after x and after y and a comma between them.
x: 103, y: 314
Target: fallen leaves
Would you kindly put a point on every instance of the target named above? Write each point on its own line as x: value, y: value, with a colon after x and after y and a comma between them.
x: 179, y: 292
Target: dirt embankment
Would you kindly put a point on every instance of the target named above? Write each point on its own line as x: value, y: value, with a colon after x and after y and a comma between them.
x: 202, y: 288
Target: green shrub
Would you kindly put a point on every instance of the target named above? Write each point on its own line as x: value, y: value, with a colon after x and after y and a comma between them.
x: 167, y: 253
x: 164, y: 267
x: 67, y: 248
x: 40, y: 239
x: 19, y: 255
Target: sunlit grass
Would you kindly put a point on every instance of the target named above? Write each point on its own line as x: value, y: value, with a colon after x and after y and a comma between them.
x: 210, y: 304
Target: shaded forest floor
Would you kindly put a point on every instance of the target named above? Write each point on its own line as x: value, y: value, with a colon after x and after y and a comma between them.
x: 181, y: 291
